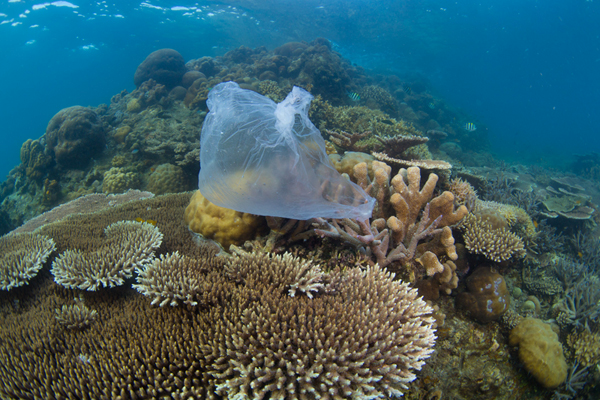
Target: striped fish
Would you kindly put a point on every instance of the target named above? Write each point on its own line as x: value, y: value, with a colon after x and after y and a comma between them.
x: 353, y: 96
x: 470, y: 127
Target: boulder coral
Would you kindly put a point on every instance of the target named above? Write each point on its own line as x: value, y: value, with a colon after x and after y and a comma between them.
x: 75, y: 135
x: 165, y: 66
x: 488, y: 297
x: 222, y: 224
x: 166, y: 178
x: 540, y: 351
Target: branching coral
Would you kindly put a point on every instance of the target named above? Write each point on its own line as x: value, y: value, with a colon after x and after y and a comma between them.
x: 22, y: 255
x: 75, y: 316
x: 286, y: 273
x: 171, y: 279
x: 128, y: 245
x: 406, y: 214
x: 497, y: 244
x: 301, y: 348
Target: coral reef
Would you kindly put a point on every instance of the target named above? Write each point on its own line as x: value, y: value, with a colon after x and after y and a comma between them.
x: 128, y: 245
x: 117, y: 180
x: 302, y: 324
x: 221, y: 224
x: 35, y: 159
x: 22, y: 255
x: 342, y: 364
x: 173, y: 278
x: 540, y: 351
x: 496, y: 243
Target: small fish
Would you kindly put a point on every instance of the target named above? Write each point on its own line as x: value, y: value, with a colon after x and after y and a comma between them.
x: 535, y: 223
x: 470, y: 127
x: 353, y: 96
x: 431, y: 105
x: 148, y: 221
x: 579, y: 254
x: 407, y: 89
x: 134, y: 151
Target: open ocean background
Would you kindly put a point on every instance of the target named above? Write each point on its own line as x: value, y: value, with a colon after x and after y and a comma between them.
x: 527, y: 70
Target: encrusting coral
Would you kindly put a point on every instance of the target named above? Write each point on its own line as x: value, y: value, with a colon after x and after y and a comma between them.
x: 22, y: 255
x: 128, y: 244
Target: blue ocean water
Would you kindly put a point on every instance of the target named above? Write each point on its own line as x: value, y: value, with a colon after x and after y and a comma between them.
x: 527, y: 70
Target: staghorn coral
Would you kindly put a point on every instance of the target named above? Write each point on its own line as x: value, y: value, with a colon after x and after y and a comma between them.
x: 22, y: 255
x: 301, y: 348
x: 75, y: 316
x: 581, y: 304
x: 128, y: 244
x: 172, y: 278
x: 285, y: 272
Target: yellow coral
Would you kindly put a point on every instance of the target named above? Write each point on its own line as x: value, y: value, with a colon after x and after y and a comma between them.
x: 134, y: 106
x: 540, y: 351
x: 222, y: 224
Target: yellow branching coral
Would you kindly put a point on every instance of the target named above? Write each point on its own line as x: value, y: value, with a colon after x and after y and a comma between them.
x: 22, y: 255
x: 128, y: 244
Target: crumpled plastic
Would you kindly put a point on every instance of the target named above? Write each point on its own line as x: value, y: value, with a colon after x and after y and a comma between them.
x: 269, y: 159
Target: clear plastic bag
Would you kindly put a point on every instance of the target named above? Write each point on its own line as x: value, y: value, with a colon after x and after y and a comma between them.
x: 264, y: 158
